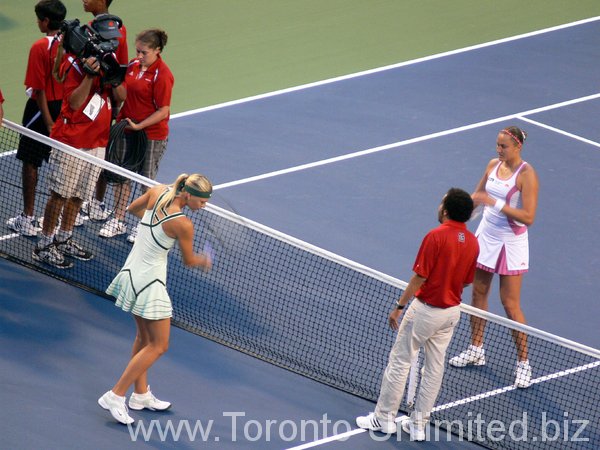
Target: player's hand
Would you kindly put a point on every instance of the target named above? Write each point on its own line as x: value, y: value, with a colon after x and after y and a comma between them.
x: 482, y: 198
x: 393, y: 318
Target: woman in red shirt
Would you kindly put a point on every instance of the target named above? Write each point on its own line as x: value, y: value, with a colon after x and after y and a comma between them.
x: 149, y: 86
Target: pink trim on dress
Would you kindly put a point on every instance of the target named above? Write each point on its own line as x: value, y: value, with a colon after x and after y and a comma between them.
x: 501, y: 266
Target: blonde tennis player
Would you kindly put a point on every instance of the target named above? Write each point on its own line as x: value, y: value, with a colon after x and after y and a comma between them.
x: 140, y: 286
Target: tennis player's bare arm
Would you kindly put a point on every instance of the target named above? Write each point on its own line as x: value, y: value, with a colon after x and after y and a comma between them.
x: 182, y: 229
x: 140, y: 204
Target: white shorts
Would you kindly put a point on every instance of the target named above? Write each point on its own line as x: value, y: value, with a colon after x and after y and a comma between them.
x: 74, y: 177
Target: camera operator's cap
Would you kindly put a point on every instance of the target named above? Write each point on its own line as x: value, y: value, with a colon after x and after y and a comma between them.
x: 107, y: 26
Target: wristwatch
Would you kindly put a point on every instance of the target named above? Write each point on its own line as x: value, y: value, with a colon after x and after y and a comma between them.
x: 399, y: 306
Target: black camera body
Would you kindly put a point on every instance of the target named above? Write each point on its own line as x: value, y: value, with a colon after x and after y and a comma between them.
x: 98, y: 40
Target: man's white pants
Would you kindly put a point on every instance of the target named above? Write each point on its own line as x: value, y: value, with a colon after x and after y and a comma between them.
x: 422, y: 326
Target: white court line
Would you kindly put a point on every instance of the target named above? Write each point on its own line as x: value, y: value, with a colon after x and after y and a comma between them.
x: 464, y: 401
x: 9, y: 236
x: 559, y: 131
x: 384, y: 68
x: 407, y: 141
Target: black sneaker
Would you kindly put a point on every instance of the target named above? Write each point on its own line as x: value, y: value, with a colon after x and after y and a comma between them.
x: 73, y: 249
x: 51, y: 256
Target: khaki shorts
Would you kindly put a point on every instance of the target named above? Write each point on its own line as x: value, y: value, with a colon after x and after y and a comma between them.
x: 74, y: 177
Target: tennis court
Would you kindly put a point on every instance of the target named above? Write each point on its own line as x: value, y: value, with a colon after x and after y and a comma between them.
x: 356, y: 166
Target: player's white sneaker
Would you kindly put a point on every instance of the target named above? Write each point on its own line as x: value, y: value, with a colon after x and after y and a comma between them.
x: 112, y: 228
x: 95, y: 210
x: 131, y: 237
x: 408, y: 426
x: 116, y: 405
x: 472, y: 356
x: 523, y: 374
x: 24, y: 225
x: 148, y: 401
x: 370, y: 422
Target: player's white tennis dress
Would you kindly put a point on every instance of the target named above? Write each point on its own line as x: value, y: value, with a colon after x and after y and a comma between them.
x: 497, y: 231
x: 140, y: 286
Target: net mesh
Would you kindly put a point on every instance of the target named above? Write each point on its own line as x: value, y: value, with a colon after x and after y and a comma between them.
x: 322, y: 316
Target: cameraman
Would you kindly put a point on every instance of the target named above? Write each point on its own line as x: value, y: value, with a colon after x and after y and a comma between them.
x: 84, y: 123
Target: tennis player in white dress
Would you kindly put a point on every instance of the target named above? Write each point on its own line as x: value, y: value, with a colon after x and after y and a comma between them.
x: 140, y: 286
x: 508, y: 191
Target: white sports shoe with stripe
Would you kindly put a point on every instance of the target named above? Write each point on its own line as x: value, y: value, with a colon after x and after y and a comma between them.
x: 116, y: 405
x: 148, y: 401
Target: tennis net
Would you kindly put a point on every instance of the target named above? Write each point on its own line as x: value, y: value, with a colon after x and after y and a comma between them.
x: 322, y: 316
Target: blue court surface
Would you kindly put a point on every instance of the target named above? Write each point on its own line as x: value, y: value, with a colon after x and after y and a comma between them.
x: 356, y: 166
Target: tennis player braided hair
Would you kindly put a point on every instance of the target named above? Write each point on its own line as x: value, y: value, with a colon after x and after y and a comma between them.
x: 516, y: 134
x: 195, y: 181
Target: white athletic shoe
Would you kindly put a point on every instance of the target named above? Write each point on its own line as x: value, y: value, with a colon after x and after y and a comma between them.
x: 523, y: 374
x: 148, y: 401
x: 472, y: 356
x: 24, y: 225
x: 133, y: 234
x: 95, y: 210
x: 116, y: 405
x: 112, y: 228
x: 370, y: 422
x: 408, y: 426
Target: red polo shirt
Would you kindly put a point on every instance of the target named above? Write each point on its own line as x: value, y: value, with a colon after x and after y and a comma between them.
x: 1, y: 97
x: 75, y: 128
x: 146, y: 92
x: 39, y: 68
x: 446, y: 260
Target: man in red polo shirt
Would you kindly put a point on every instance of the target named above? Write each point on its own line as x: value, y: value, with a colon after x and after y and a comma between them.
x: 444, y: 265
x: 83, y: 123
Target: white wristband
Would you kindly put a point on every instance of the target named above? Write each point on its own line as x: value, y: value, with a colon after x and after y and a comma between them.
x: 499, y: 205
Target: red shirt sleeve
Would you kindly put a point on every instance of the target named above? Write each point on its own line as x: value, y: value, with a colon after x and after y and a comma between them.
x: 35, y: 76
x: 425, y: 259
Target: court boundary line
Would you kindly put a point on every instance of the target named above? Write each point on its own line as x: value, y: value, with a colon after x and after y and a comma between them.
x: 474, y: 398
x: 385, y: 68
x: 414, y: 140
x: 559, y: 131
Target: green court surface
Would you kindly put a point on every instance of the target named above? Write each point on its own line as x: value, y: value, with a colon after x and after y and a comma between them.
x: 221, y: 50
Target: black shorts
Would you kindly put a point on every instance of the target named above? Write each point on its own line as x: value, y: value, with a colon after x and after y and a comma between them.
x: 30, y: 150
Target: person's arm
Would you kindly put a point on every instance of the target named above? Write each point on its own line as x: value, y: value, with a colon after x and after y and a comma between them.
x: 1, y: 112
x: 414, y: 285
x: 184, y: 232
x: 528, y: 184
x: 42, y: 103
x: 119, y: 93
x: 80, y: 93
x: 158, y: 115
x: 140, y: 204
x: 480, y: 188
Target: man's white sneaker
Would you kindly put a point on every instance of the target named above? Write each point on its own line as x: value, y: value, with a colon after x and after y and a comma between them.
x: 116, y: 405
x: 133, y: 235
x: 408, y: 426
x: 112, y: 228
x: 24, y: 225
x: 472, y: 356
x: 523, y: 374
x: 96, y: 210
x: 370, y: 422
x: 148, y: 401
